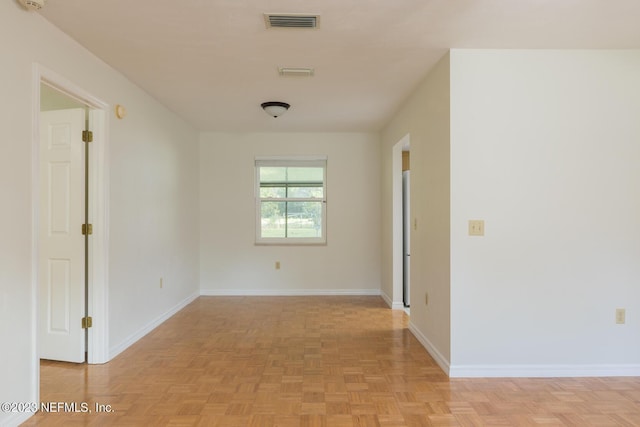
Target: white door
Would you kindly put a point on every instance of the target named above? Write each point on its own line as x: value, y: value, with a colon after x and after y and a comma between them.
x: 61, y: 243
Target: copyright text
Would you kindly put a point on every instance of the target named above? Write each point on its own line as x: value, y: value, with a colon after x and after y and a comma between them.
x: 68, y: 407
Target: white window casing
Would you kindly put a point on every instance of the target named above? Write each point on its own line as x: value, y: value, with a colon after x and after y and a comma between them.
x: 291, y: 200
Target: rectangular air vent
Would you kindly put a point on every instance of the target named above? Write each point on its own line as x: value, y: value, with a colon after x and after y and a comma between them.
x: 291, y: 20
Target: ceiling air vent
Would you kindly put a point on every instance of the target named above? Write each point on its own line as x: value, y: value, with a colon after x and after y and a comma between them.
x: 291, y: 20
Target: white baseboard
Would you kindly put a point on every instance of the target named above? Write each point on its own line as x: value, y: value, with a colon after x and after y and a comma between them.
x: 15, y: 419
x: 398, y: 306
x: 129, y: 341
x: 431, y: 349
x: 543, y: 371
x: 287, y: 292
x: 386, y: 299
x: 523, y: 371
x: 393, y: 305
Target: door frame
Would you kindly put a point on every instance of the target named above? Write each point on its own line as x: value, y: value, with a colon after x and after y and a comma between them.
x: 97, y: 346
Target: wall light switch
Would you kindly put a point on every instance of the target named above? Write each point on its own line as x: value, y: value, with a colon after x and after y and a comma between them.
x: 620, y: 316
x: 476, y: 227
x: 277, y: 265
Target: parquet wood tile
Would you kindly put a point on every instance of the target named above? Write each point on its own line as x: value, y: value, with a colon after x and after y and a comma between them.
x: 312, y: 361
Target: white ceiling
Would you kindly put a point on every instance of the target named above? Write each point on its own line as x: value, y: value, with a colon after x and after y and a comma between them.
x: 214, y: 61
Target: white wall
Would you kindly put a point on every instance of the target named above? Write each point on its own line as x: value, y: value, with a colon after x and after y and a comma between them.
x: 153, y: 217
x: 231, y: 263
x: 153, y: 196
x: 425, y: 118
x: 545, y: 147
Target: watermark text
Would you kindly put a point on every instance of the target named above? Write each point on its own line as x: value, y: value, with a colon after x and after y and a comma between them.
x: 51, y: 407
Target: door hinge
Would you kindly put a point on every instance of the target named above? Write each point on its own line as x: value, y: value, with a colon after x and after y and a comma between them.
x: 87, y: 322
x: 87, y: 229
x: 87, y: 136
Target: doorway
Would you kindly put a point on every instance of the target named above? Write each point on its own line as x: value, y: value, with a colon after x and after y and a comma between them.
x: 400, y: 256
x: 73, y: 107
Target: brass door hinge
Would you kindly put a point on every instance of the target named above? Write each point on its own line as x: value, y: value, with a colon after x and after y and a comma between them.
x: 87, y: 136
x: 87, y: 229
x: 87, y: 322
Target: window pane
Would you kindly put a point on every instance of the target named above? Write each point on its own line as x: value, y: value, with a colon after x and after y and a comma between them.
x: 304, y: 219
x: 305, y: 174
x: 273, y: 174
x: 306, y: 192
x: 273, y: 192
x: 272, y: 220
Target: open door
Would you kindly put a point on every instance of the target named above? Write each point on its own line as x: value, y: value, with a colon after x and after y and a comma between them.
x: 61, y: 268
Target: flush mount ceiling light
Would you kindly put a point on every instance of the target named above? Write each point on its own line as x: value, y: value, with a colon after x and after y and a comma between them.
x: 295, y: 72
x: 275, y: 108
x: 33, y: 4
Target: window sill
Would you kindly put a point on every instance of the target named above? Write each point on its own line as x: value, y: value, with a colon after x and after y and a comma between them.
x: 301, y: 242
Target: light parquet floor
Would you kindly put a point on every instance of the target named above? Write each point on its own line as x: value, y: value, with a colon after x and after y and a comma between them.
x: 311, y: 361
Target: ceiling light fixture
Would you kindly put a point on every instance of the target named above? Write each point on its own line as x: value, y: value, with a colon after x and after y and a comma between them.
x: 275, y: 108
x: 295, y: 72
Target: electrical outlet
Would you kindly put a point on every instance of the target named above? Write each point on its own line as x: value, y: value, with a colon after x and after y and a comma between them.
x: 277, y: 265
x: 476, y: 227
x: 620, y: 316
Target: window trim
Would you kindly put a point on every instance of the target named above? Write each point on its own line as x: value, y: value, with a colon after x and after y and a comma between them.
x: 314, y: 161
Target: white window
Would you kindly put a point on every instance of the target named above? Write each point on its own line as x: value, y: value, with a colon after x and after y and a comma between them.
x: 291, y: 201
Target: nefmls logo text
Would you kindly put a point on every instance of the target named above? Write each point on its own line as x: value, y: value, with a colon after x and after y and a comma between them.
x: 81, y: 407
